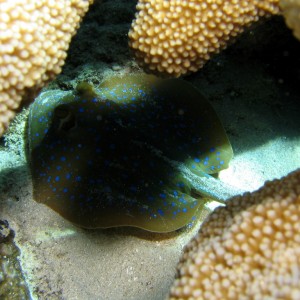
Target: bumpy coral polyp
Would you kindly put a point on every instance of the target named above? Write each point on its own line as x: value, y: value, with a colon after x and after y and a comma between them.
x: 178, y: 36
x: 35, y: 36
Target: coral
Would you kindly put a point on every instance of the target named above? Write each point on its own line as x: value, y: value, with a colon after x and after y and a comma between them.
x: 291, y: 12
x: 248, y: 249
x: 178, y: 36
x: 35, y: 36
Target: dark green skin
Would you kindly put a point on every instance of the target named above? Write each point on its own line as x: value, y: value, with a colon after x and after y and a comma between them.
x: 111, y: 157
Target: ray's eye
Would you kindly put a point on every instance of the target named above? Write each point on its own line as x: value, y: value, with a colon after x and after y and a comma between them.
x: 64, y: 118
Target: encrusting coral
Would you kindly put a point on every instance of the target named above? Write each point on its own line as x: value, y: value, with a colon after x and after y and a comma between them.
x: 178, y: 36
x: 35, y: 36
x: 291, y: 12
x: 248, y: 249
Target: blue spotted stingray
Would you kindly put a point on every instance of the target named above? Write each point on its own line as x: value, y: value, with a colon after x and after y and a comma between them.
x: 136, y: 151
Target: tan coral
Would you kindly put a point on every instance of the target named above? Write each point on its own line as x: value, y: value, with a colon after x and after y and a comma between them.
x: 247, y: 250
x: 291, y: 12
x: 35, y: 36
x: 176, y: 37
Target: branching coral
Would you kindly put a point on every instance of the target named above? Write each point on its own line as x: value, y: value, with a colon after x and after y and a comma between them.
x: 291, y: 12
x: 248, y: 249
x: 178, y: 36
x: 35, y: 36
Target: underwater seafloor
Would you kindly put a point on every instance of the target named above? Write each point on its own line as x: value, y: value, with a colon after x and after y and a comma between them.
x: 254, y: 88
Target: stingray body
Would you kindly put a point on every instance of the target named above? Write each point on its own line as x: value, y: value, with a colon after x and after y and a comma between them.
x: 125, y: 154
